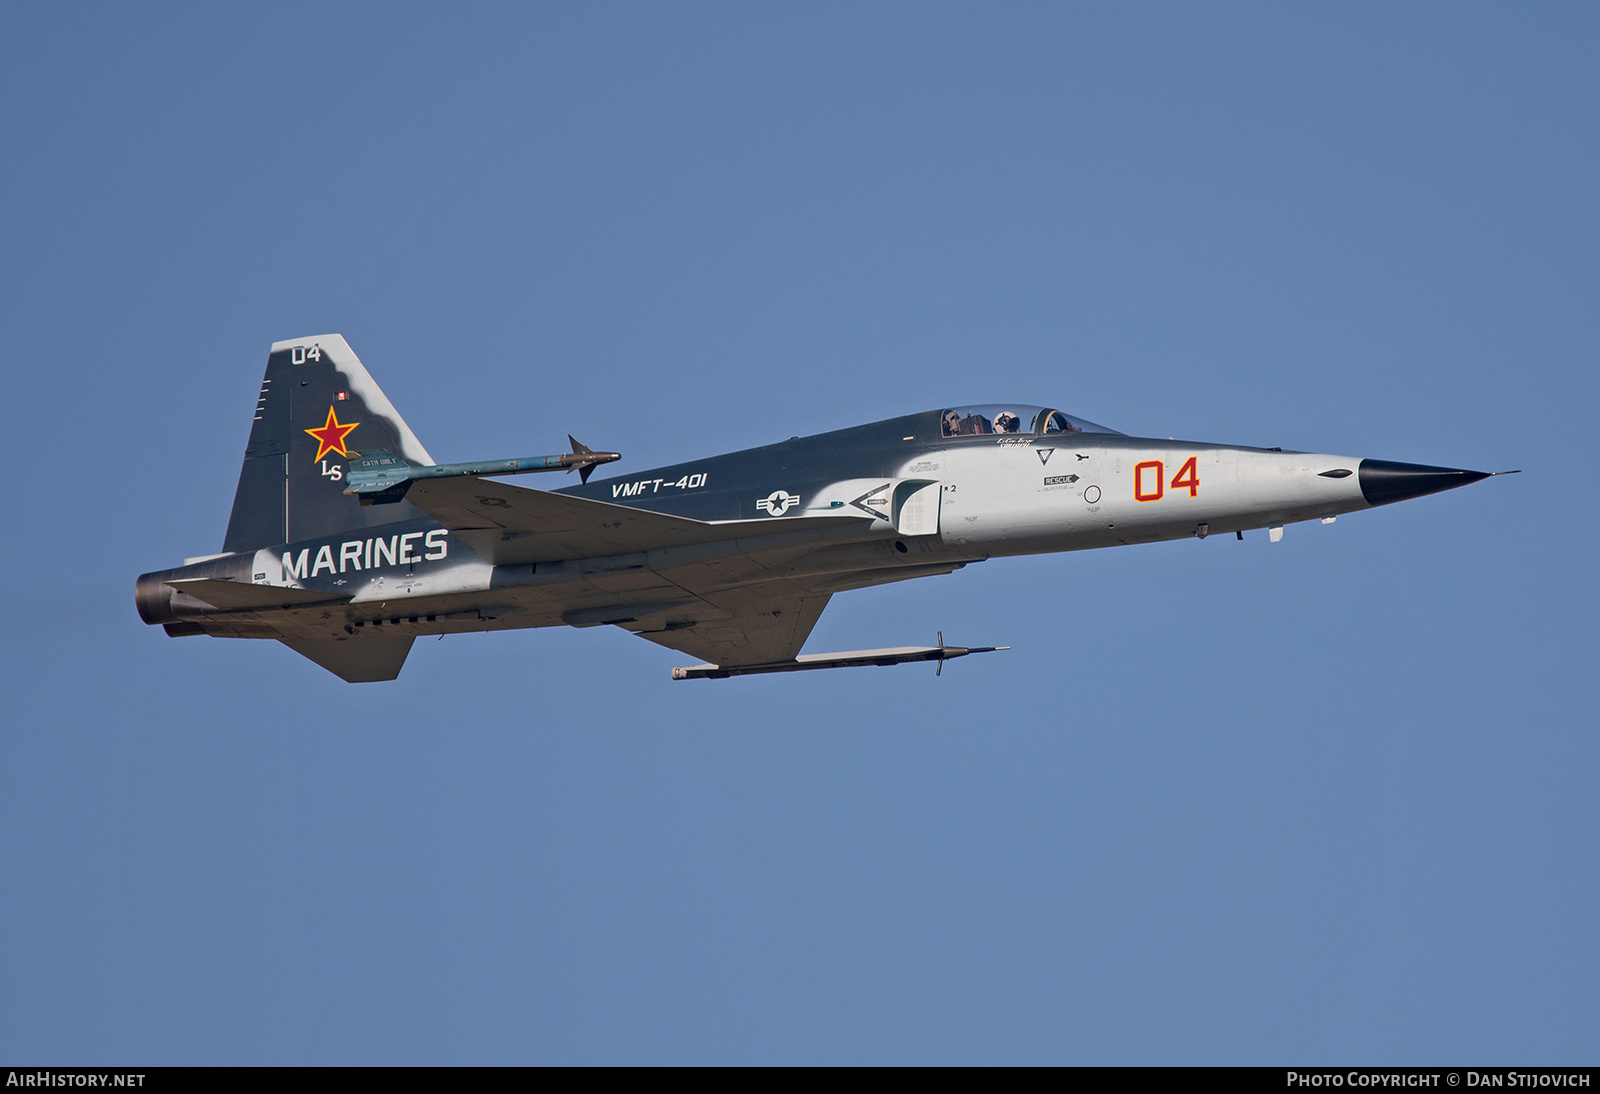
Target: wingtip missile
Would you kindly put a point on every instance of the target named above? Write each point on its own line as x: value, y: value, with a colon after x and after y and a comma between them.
x: 584, y: 459
x: 897, y: 655
x: 381, y: 476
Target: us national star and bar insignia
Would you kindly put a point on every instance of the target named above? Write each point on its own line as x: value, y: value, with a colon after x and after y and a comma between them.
x: 330, y: 438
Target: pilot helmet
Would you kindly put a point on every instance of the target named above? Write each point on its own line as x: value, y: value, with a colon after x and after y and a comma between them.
x: 1006, y: 422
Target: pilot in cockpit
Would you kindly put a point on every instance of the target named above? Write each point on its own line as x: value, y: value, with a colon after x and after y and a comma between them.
x: 1007, y: 422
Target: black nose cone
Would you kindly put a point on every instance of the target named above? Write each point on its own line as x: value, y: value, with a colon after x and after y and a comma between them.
x: 1383, y: 481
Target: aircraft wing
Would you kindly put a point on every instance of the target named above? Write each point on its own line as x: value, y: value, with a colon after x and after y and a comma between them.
x: 759, y: 623
x: 766, y: 622
x: 513, y: 524
x: 750, y: 625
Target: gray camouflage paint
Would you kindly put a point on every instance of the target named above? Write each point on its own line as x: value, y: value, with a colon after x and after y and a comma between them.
x: 924, y: 503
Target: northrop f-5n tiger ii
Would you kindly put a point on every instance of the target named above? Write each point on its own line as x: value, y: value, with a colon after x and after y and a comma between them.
x: 348, y: 541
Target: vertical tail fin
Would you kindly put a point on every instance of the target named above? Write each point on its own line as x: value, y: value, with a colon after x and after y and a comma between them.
x: 318, y: 408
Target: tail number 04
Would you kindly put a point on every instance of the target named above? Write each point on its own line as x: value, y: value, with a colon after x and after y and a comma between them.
x: 1149, y: 480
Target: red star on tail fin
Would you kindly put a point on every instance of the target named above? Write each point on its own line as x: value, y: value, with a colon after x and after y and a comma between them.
x: 330, y: 438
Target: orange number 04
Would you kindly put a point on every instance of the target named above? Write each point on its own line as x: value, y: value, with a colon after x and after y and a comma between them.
x: 1188, y: 476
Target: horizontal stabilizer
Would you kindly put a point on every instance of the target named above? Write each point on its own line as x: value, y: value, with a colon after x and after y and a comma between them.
x: 896, y: 655
x: 237, y: 596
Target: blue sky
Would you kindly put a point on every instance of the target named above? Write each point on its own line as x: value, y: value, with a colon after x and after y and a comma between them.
x: 1320, y: 801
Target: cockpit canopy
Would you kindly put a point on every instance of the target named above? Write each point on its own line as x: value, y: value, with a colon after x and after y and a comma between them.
x: 1001, y: 418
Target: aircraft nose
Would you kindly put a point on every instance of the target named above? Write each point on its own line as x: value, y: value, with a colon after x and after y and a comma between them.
x: 1383, y: 481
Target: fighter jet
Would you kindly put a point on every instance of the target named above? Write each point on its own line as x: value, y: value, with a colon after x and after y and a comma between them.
x: 347, y: 541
